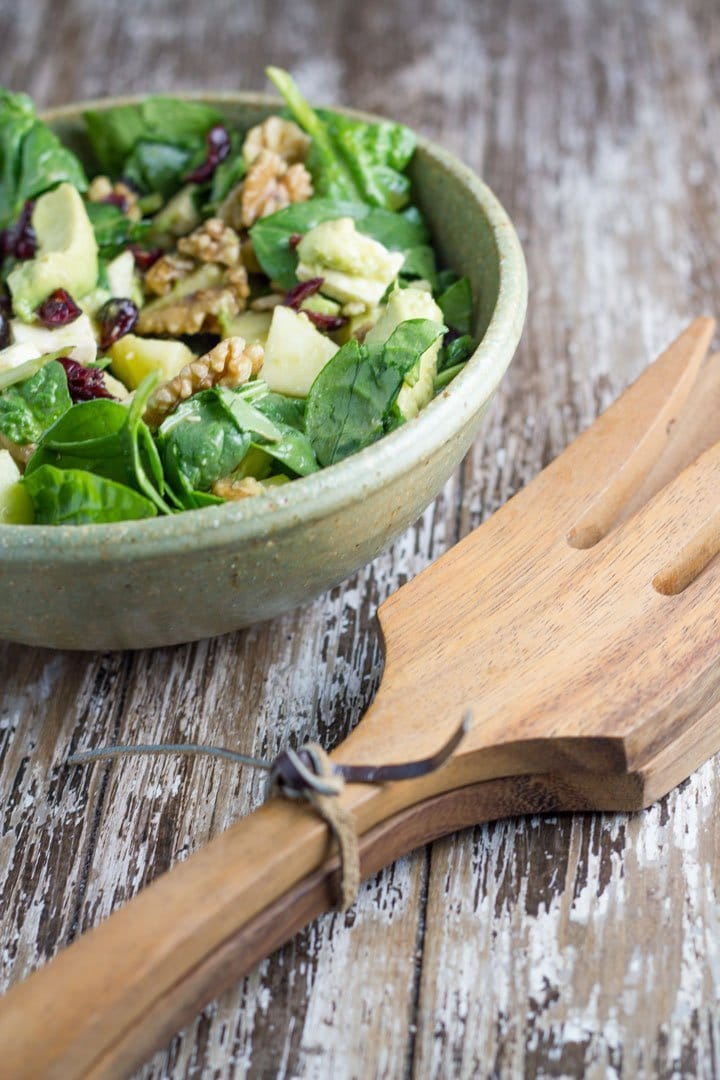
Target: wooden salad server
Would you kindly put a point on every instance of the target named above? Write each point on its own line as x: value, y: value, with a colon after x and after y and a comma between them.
x: 579, y: 625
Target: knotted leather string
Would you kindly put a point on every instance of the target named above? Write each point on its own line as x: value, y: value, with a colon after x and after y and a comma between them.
x: 310, y: 774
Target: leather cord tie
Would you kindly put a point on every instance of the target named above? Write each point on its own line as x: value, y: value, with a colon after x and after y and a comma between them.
x: 310, y: 774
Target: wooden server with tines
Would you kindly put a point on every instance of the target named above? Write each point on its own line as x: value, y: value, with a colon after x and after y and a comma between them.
x: 578, y: 627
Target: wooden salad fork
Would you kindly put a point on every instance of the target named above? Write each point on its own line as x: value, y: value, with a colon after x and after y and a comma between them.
x: 578, y: 625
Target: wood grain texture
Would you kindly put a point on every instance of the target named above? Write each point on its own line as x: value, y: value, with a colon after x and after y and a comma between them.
x: 545, y: 946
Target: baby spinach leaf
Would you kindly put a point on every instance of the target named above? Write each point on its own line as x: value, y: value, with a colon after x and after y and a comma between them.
x: 283, y: 410
x: 330, y: 173
x: 158, y: 166
x: 446, y: 376
x: 32, y: 158
x: 397, y: 232
x: 77, y: 497
x: 375, y: 154
x: 110, y: 440
x: 113, y: 230
x: 228, y: 173
x: 293, y: 450
x: 456, y: 305
x: 348, y: 158
x: 456, y: 352
x: 201, y: 442
x: 271, y: 235
x: 29, y: 408
x: 350, y: 403
x: 420, y: 263
x: 155, y: 142
x: 445, y: 279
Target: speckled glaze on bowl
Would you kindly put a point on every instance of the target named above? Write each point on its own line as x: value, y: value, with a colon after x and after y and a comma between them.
x: 168, y: 580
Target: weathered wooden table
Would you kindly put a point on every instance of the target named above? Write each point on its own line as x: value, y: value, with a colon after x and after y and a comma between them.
x: 549, y: 946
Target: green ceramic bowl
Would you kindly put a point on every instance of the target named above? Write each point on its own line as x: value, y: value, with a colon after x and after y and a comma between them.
x: 169, y: 580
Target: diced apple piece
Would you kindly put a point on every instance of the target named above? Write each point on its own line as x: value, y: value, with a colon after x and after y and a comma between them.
x: 135, y: 357
x: 295, y: 353
x: 15, y: 504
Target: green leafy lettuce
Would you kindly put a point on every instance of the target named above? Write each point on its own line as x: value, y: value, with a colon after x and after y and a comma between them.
x: 32, y: 158
x: 351, y: 403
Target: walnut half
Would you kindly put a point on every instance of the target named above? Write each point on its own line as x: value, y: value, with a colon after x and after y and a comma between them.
x: 270, y: 184
x: 283, y: 137
x: 230, y: 363
x: 213, y: 241
x: 230, y: 489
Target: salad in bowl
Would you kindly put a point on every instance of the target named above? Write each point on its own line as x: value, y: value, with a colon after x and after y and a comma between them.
x: 210, y: 312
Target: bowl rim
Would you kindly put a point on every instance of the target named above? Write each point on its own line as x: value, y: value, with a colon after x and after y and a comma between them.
x: 312, y: 497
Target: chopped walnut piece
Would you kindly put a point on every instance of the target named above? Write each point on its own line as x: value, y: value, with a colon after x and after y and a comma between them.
x: 213, y: 241
x: 230, y: 489
x: 237, y: 280
x: 283, y: 137
x: 230, y: 363
x: 189, y: 314
x: 165, y: 271
x: 270, y: 185
x: 199, y: 310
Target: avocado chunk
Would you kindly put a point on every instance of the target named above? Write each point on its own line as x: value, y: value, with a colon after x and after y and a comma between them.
x: 122, y: 281
x: 135, y: 357
x: 66, y: 252
x: 403, y: 304
x: 354, y: 268
x: 15, y: 504
x: 295, y: 353
x: 323, y: 305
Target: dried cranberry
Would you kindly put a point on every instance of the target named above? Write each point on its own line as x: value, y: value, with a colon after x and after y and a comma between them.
x: 451, y: 334
x: 116, y: 318
x: 58, y: 310
x: 84, y: 383
x: 5, y: 302
x: 145, y: 258
x: 116, y: 199
x: 218, y: 144
x: 4, y: 330
x: 19, y: 240
x: 325, y: 322
x: 299, y: 293
x: 294, y: 239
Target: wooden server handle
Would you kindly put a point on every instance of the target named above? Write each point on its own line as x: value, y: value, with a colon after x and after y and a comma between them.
x: 104, y: 1004
x: 589, y: 687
